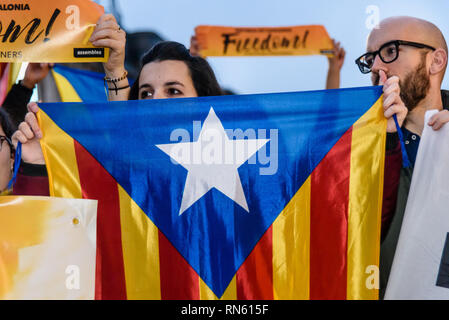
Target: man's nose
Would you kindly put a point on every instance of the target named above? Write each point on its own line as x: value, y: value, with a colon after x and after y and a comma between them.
x: 378, y: 64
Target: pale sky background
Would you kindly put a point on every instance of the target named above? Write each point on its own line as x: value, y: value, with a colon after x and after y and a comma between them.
x: 345, y: 20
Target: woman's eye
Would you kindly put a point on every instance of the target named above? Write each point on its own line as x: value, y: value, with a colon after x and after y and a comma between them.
x: 146, y: 95
x: 174, y: 92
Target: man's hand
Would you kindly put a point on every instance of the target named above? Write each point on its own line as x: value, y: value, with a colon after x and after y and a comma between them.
x: 34, y: 73
x: 438, y: 120
x: 392, y: 102
x: 29, y: 135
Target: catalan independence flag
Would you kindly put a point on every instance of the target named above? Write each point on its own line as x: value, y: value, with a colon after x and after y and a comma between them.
x: 76, y: 85
x: 271, y: 196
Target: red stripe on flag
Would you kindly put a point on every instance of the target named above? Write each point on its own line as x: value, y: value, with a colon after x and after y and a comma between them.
x: 255, y: 276
x: 97, y: 183
x: 178, y: 280
x: 329, y: 222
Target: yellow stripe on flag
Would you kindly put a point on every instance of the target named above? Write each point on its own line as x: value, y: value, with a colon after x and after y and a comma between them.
x: 229, y: 294
x: 205, y: 292
x: 140, y: 247
x: 365, y: 202
x: 59, y: 153
x: 291, y: 245
x: 66, y: 90
x: 231, y: 291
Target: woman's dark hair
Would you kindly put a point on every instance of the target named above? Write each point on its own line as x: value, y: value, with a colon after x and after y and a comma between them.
x: 6, y: 123
x: 202, y: 75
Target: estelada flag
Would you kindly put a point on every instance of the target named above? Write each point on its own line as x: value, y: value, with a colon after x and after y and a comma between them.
x: 271, y: 196
x: 75, y: 85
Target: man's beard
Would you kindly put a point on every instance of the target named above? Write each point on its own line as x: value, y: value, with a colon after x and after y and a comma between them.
x: 414, y: 86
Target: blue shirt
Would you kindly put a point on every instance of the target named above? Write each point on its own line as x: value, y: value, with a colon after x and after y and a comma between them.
x: 411, y: 141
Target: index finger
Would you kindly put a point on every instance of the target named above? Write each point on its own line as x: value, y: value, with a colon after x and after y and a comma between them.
x: 392, y: 81
x: 433, y: 119
x: 106, y: 17
x: 33, y: 107
x: 382, y: 78
x: 31, y: 119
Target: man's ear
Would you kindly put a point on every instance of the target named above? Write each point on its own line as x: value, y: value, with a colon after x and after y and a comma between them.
x: 439, y: 61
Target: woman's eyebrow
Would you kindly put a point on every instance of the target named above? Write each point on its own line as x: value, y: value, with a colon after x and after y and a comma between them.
x: 171, y: 83
x: 145, y: 85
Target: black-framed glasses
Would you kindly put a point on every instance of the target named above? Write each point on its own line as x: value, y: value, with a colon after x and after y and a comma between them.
x: 3, y: 139
x: 388, y: 53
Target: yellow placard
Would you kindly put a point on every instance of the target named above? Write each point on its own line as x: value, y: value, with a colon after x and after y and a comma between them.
x: 47, y: 248
x: 49, y: 31
x: 276, y: 41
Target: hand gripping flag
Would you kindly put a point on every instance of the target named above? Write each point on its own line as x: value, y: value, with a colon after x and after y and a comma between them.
x: 272, y: 196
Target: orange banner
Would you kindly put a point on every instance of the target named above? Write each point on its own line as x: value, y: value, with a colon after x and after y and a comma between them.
x: 49, y: 31
x: 266, y: 41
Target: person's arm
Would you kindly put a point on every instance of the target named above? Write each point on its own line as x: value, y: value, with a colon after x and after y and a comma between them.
x: 20, y: 94
x: 335, y: 65
x: 109, y: 34
x: 195, y: 47
x: 16, y: 100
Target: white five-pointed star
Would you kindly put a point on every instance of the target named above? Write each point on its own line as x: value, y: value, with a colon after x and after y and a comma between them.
x: 212, y: 162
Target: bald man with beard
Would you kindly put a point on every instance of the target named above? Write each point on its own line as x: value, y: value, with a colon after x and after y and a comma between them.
x: 409, y: 57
